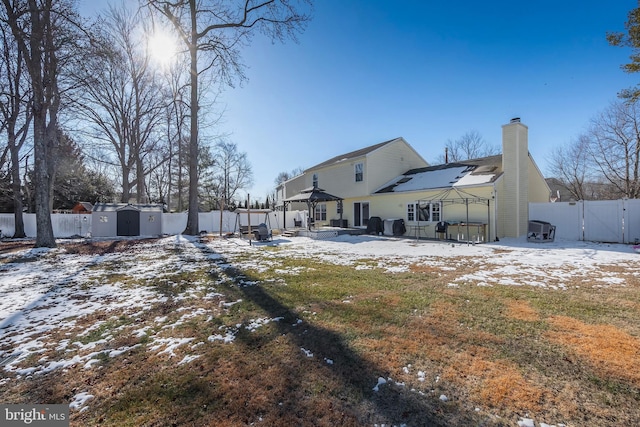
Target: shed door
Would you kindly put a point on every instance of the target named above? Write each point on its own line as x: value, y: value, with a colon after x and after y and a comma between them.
x: 128, y: 223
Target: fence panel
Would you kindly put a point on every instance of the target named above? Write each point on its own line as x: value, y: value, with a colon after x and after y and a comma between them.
x: 210, y: 221
x: 603, y: 221
x: 71, y: 225
x: 68, y: 225
x: 7, y: 224
x: 631, y: 220
x: 7, y: 227
x: 567, y: 217
x: 175, y: 223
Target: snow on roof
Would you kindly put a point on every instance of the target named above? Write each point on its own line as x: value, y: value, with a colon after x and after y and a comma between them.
x: 443, y: 176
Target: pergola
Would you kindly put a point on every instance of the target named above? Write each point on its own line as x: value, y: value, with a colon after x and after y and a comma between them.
x: 311, y: 196
x: 460, y: 197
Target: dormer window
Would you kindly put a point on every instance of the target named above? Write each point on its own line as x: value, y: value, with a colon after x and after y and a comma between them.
x: 359, y: 170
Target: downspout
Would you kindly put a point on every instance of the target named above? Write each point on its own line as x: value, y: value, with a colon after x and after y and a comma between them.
x: 495, y: 211
x: 284, y: 215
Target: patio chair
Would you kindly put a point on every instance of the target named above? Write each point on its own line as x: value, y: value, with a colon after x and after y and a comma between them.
x: 441, y: 229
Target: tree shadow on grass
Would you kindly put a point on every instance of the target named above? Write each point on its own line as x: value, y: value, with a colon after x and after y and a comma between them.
x: 389, y: 404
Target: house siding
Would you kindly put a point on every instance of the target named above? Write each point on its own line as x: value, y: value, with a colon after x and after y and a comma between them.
x: 380, y: 165
x: 515, y: 195
x: 339, y: 180
x: 389, y: 162
x: 539, y: 190
x: 394, y: 205
x: 291, y: 188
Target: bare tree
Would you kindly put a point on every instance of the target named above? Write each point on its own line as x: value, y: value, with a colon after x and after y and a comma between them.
x: 234, y: 170
x: 159, y: 180
x: 121, y: 97
x: 177, y: 131
x: 603, y: 162
x: 570, y: 166
x: 469, y: 146
x: 214, y: 32
x: 42, y: 30
x: 16, y: 114
x: 614, y: 147
x: 285, y: 176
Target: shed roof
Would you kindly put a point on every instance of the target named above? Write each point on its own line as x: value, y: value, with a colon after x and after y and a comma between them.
x: 114, y: 207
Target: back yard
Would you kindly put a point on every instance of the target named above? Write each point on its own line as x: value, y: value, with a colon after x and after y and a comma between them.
x: 354, y: 331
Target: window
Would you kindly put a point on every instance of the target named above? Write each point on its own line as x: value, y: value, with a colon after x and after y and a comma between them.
x: 435, y: 212
x: 321, y: 212
x: 424, y: 211
x: 411, y: 215
x: 315, y: 180
x: 359, y: 172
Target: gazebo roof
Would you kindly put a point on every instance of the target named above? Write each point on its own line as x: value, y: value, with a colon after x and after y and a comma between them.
x: 313, y: 195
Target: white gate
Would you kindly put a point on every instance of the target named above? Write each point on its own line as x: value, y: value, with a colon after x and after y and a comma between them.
x: 631, y: 220
x: 567, y: 217
x: 603, y: 221
x: 611, y: 221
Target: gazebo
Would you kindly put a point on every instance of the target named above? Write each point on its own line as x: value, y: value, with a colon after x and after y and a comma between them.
x: 461, y: 197
x: 312, y: 196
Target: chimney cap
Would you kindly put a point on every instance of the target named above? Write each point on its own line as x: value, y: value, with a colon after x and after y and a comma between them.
x: 515, y: 120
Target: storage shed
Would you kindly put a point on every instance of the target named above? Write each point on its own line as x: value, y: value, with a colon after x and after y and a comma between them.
x: 122, y: 219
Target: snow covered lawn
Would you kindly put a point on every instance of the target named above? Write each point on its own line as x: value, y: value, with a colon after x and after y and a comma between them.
x: 359, y: 330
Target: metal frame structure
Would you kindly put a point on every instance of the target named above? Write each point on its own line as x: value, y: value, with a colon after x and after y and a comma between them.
x: 462, y: 197
x: 312, y: 197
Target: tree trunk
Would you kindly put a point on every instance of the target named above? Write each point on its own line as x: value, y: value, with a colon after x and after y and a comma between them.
x: 44, y: 227
x: 16, y: 186
x: 140, y: 185
x: 36, y: 65
x: 192, y: 216
x: 126, y: 189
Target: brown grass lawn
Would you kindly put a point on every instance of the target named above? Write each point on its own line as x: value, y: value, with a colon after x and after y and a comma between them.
x: 312, y: 339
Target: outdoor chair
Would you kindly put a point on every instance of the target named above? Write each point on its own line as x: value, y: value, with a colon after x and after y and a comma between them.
x: 441, y: 228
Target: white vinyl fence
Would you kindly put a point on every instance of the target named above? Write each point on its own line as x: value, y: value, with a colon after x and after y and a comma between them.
x: 72, y: 225
x: 612, y: 221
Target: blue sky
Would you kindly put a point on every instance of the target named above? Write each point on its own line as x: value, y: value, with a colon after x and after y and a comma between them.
x: 366, y: 71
